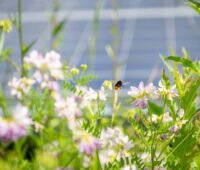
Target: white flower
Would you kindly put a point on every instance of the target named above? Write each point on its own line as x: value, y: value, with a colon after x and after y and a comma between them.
x: 101, y: 94
x: 114, y: 145
x: 90, y: 94
x: 142, y: 94
x: 20, y: 87
x: 54, y: 65
x: 169, y: 93
x: 129, y: 167
x: 179, y: 122
x: 34, y: 59
x: 141, y: 91
x: 154, y: 118
x: 181, y: 113
x: 167, y: 117
x: 50, y: 64
x: 69, y: 109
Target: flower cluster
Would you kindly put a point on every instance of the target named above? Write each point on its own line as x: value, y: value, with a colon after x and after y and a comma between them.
x: 180, y: 121
x: 141, y: 94
x: 48, y: 68
x: 14, y: 128
x: 68, y: 108
x: 115, y: 145
x: 20, y: 87
x: 167, y: 92
x: 89, y: 94
x: 87, y: 143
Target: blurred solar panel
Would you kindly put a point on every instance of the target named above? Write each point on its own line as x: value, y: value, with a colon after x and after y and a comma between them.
x: 142, y: 36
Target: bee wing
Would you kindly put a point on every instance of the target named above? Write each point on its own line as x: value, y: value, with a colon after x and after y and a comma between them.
x: 126, y: 83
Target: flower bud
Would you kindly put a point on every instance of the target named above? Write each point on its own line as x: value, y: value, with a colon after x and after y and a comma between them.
x: 83, y: 67
x: 5, y: 25
x: 107, y: 84
x: 74, y: 71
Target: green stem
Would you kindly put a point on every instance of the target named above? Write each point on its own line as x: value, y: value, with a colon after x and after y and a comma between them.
x: 165, y: 147
x: 2, y: 41
x: 14, y: 65
x: 115, y: 45
x: 152, y: 152
x: 20, y: 30
x: 115, y: 99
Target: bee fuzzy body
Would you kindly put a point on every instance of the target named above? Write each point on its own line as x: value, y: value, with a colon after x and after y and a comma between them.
x: 118, y: 85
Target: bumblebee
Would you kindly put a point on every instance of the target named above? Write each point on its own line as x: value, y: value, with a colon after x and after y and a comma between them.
x: 118, y: 85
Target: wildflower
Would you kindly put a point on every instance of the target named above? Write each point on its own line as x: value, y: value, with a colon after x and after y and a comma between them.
x: 20, y: 87
x: 83, y: 67
x: 5, y: 25
x: 38, y: 127
x: 167, y: 117
x: 86, y: 161
x: 141, y: 103
x: 101, y: 94
x: 87, y: 143
x: 50, y: 64
x: 179, y: 122
x: 115, y: 145
x: 168, y: 92
x: 14, y: 128
x: 164, y: 136
x: 74, y: 71
x: 90, y: 94
x: 68, y: 108
x: 154, y: 118
x: 129, y: 167
x: 142, y: 94
x: 107, y: 84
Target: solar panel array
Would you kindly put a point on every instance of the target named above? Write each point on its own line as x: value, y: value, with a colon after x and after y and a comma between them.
x: 146, y: 30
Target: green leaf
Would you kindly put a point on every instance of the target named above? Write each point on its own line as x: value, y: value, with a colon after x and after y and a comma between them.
x: 166, y: 63
x: 183, y: 146
x: 165, y: 79
x: 185, y: 62
x: 195, y: 5
x: 26, y: 48
x: 85, y: 80
x: 110, y: 52
x: 188, y: 101
x: 3, y: 103
x: 5, y: 54
x: 154, y: 108
x: 58, y: 27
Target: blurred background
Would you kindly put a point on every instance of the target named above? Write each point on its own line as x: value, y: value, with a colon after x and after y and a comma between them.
x: 118, y: 39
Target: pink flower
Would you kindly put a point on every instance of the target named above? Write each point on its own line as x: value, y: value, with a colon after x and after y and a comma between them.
x: 142, y: 93
x: 141, y: 103
x: 16, y: 127
x: 89, y: 145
